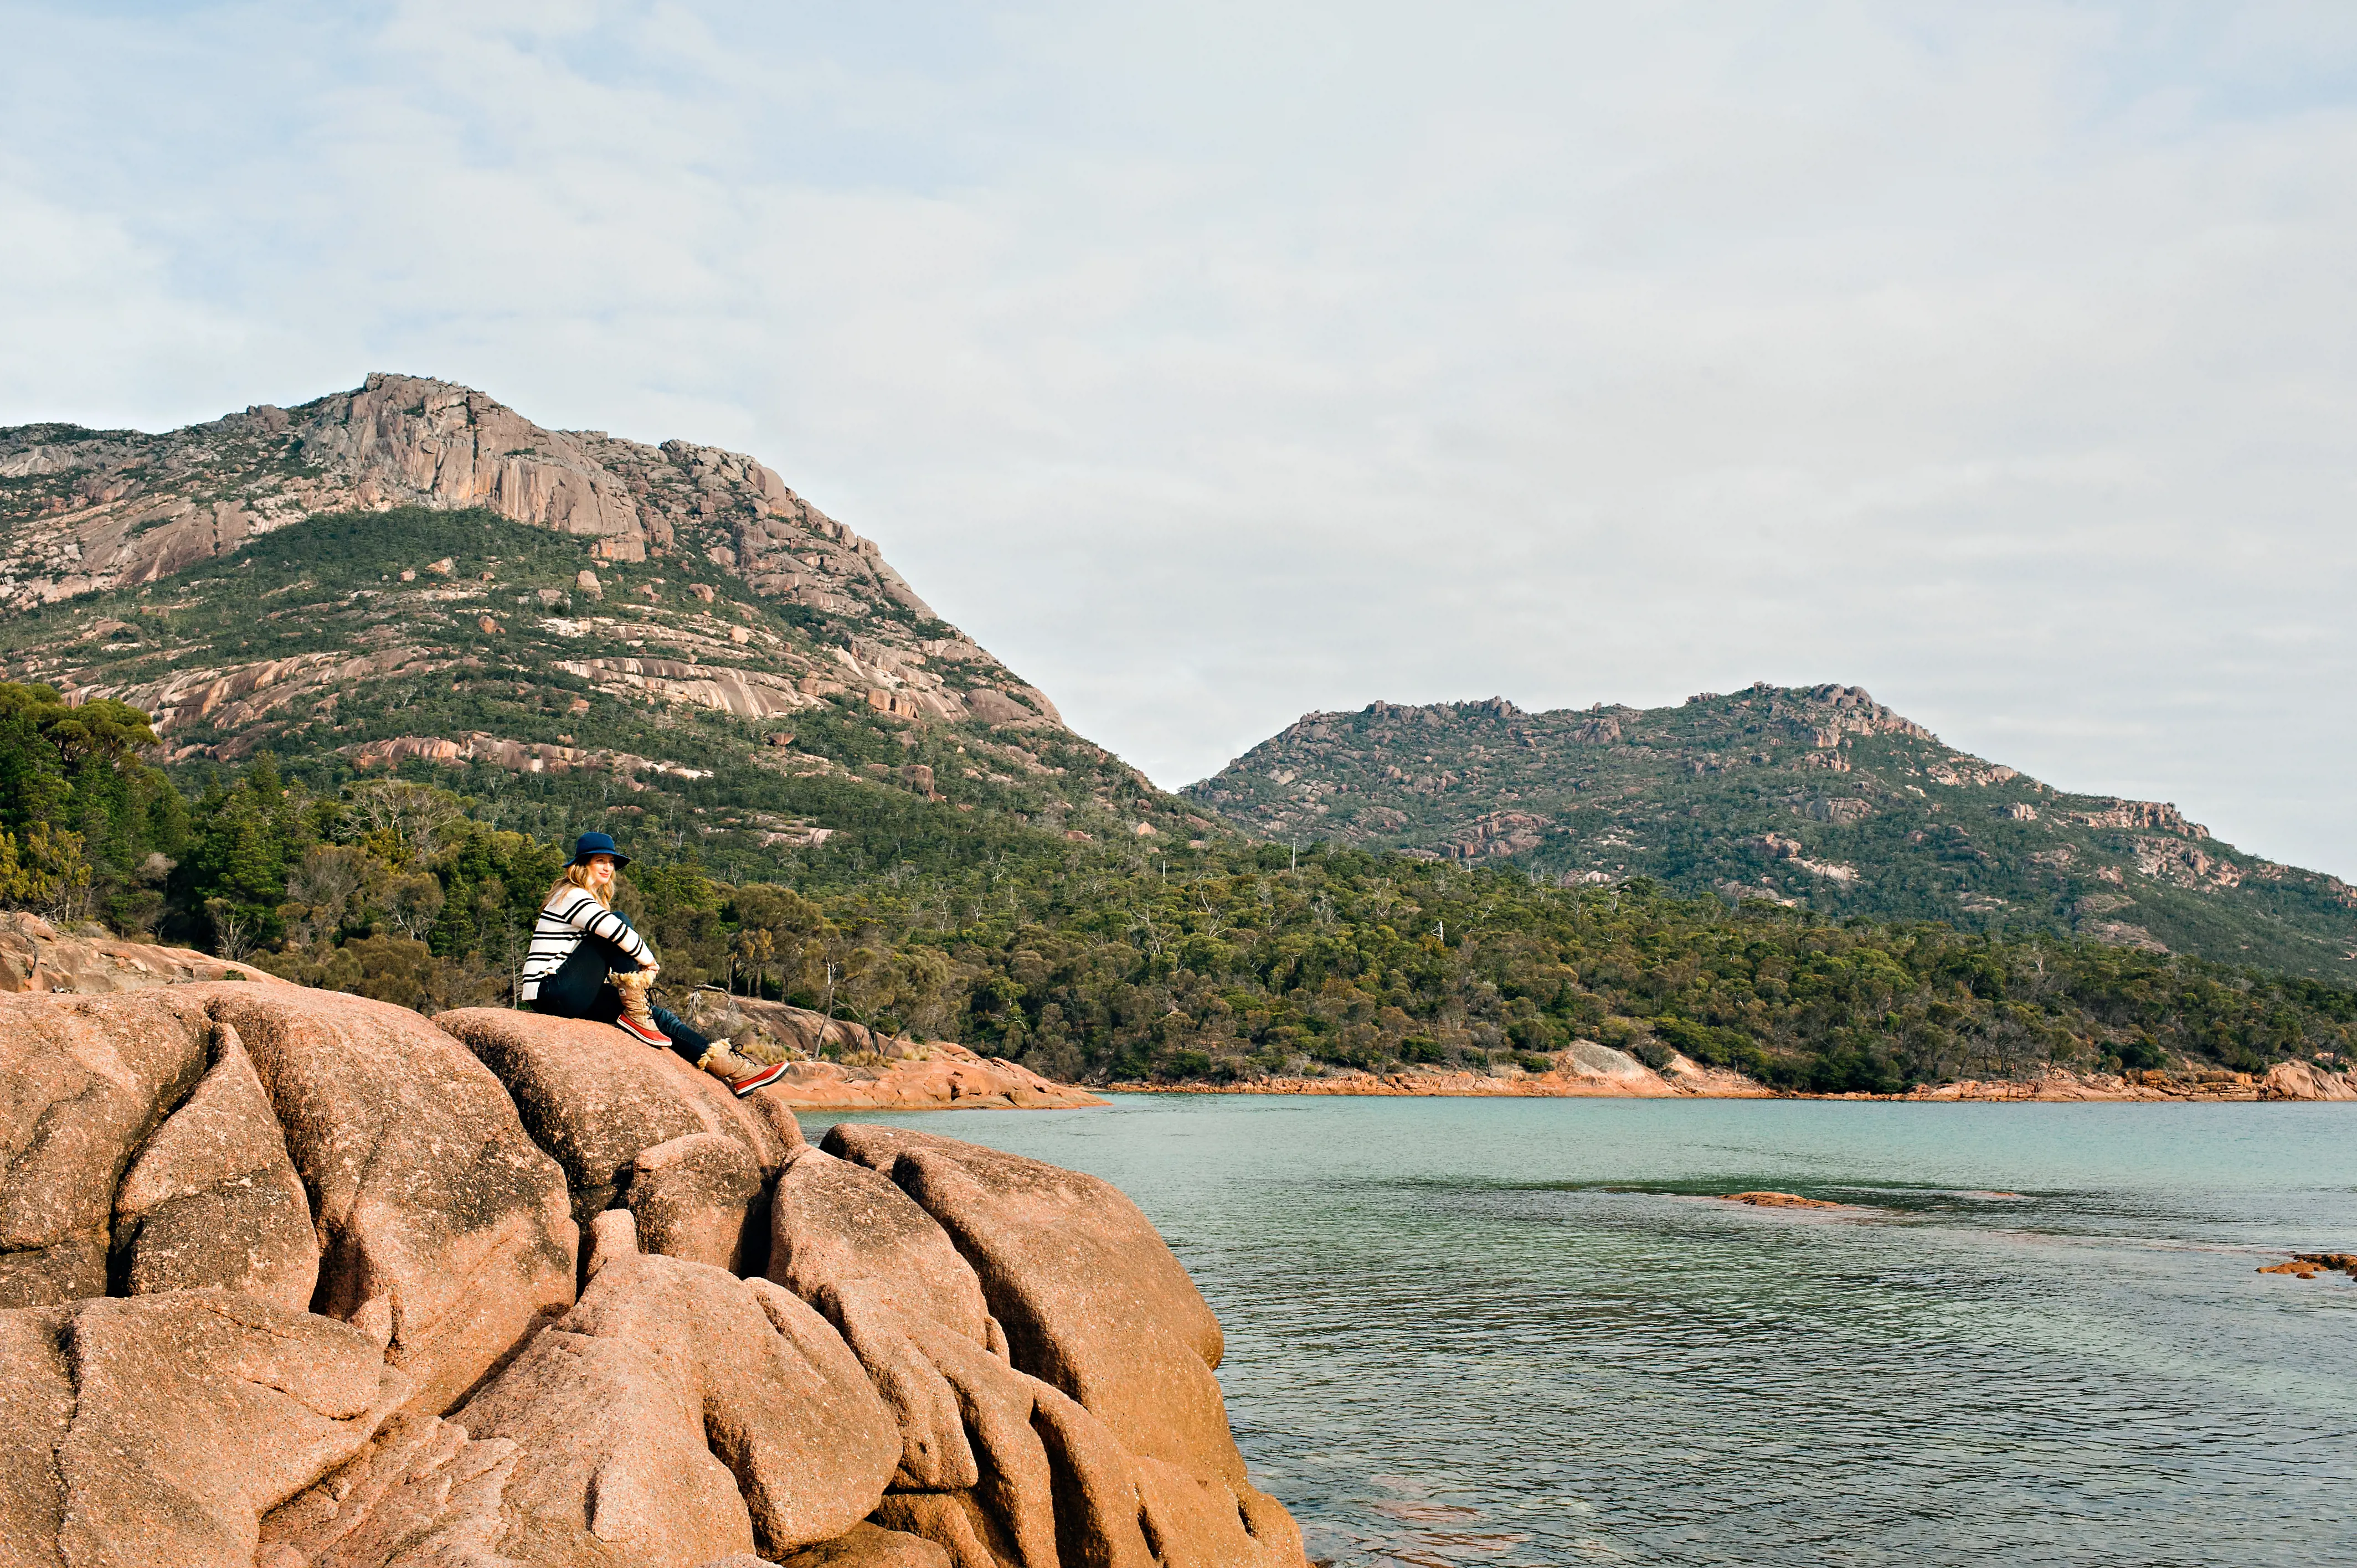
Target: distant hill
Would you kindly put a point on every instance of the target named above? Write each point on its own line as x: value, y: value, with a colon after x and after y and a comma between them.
x: 575, y: 629
x: 1818, y: 797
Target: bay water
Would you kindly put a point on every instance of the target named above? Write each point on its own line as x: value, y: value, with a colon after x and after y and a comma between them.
x: 1511, y: 1332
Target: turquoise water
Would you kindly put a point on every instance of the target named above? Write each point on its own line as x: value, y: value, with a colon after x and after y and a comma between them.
x: 1501, y: 1332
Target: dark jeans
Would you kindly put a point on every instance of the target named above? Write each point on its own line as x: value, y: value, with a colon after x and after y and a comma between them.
x: 578, y: 990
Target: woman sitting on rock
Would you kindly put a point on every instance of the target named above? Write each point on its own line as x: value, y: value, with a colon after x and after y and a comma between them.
x: 581, y: 939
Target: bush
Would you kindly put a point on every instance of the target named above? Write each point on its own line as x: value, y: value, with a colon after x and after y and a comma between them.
x: 1187, y: 1064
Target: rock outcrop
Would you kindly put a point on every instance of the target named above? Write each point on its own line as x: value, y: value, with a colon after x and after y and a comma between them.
x: 168, y: 1425
x: 1583, y: 1070
x: 35, y: 957
x: 293, y: 1280
x: 213, y: 1199
x: 94, y: 510
x: 874, y: 1071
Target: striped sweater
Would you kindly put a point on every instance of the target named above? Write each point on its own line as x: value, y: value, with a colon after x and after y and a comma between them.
x: 569, y: 915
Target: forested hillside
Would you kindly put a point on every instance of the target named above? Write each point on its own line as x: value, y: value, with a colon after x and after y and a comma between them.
x: 1093, y: 961
x: 1817, y: 798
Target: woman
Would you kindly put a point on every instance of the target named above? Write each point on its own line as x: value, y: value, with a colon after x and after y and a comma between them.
x: 581, y: 939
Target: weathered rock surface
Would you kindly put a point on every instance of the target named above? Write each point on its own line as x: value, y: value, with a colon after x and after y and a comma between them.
x: 734, y: 1385
x: 837, y: 1225
x: 1106, y: 1367
x: 594, y: 1098
x: 213, y: 1199
x: 82, y: 1084
x: 845, y: 1239
x: 159, y: 1430
x: 952, y: 1078
x: 34, y: 957
x: 1582, y: 1070
x: 440, y: 1227
x: 876, y: 1071
x: 698, y: 1198
x: 868, y: 1546
x: 419, y: 1495
x: 443, y: 1228
x: 1091, y: 1300
x: 2301, y: 1080
x: 451, y: 1404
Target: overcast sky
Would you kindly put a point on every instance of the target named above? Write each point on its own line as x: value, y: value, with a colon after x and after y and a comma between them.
x: 1212, y: 363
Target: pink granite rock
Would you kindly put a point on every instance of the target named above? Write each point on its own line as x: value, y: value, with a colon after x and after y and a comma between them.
x: 446, y: 1231
x: 836, y: 1224
x: 594, y: 1098
x: 611, y: 1468
x: 160, y: 1429
x: 1091, y: 1300
x: 213, y: 1199
x: 698, y: 1198
x: 868, y: 1546
x: 741, y: 1372
x: 420, y: 1494
x: 83, y: 1085
x: 855, y: 1246
x: 1112, y: 1419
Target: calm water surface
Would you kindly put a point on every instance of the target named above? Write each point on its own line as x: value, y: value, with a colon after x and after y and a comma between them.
x: 1518, y: 1332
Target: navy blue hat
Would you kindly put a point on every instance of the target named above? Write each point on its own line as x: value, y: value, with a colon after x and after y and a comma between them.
x: 588, y: 845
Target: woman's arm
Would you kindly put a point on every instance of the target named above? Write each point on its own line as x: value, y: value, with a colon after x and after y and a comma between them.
x: 591, y: 918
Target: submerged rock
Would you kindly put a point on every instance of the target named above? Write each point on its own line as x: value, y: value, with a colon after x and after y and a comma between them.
x: 1776, y: 1200
x: 2308, y: 1265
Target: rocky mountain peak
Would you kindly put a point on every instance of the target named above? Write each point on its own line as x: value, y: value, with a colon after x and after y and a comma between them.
x: 85, y: 511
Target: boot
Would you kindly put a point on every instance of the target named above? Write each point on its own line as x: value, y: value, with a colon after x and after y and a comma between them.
x: 742, y: 1074
x: 638, y: 1019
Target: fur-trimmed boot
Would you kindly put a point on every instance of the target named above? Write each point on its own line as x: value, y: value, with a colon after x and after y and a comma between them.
x: 638, y: 1019
x: 742, y: 1074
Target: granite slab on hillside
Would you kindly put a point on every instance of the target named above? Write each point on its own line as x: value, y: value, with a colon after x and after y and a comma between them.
x: 412, y: 570
x: 1819, y: 797
x: 290, y: 1278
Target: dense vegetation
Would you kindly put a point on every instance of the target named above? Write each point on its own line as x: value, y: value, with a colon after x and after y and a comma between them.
x: 1100, y: 963
x: 1812, y: 797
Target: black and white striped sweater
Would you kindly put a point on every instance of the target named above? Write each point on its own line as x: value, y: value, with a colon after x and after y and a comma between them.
x: 569, y: 915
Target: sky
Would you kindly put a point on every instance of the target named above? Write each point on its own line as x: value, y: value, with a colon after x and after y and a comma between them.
x: 1212, y: 363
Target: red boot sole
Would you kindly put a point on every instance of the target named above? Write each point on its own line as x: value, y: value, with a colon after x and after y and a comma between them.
x: 761, y: 1080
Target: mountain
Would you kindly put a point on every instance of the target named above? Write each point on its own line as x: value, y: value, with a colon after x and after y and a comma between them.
x: 411, y: 576
x: 1818, y: 798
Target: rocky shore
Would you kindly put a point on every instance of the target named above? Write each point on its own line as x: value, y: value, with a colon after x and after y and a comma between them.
x: 2285, y: 1081
x: 1585, y: 1071
x: 291, y: 1279
x: 1684, y: 1077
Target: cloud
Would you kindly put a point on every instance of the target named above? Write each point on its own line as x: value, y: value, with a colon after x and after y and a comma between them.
x: 1212, y: 363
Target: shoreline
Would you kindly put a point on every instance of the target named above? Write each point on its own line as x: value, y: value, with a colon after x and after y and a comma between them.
x: 2286, y: 1081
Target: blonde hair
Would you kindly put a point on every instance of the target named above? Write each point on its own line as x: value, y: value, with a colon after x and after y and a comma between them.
x: 579, y: 877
